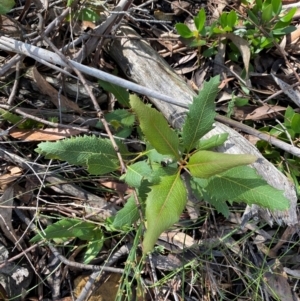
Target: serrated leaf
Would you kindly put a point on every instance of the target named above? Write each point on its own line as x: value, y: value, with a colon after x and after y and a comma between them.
x: 67, y: 228
x: 94, y: 247
x: 204, y: 164
x: 100, y: 164
x: 214, y: 141
x: 136, y: 173
x: 156, y: 129
x: 127, y: 215
x: 6, y: 6
x: 242, y: 184
x: 200, y: 117
x: 220, y: 205
x: 164, y: 205
x: 120, y: 93
x: 77, y: 150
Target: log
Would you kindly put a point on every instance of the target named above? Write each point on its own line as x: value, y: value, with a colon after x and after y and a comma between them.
x: 143, y: 65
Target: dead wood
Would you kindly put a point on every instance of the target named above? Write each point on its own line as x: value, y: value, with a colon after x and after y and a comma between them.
x: 142, y: 64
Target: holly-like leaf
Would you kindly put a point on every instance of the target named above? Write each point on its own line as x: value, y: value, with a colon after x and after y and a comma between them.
x: 156, y: 129
x: 242, y: 184
x: 164, y: 205
x: 77, y: 150
x: 220, y: 205
x: 136, y: 172
x: 100, y: 164
x: 127, y: 215
x: 120, y: 93
x: 214, y: 141
x: 68, y: 228
x: 204, y: 164
x: 200, y: 117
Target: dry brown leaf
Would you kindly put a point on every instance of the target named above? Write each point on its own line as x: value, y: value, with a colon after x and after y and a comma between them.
x: 264, y: 112
x: 46, y: 88
x: 106, y: 292
x: 294, y: 35
x: 50, y: 134
x: 278, y: 286
x: 179, y: 7
x: 119, y: 187
x: 179, y: 239
x: 14, y: 173
x: 294, y: 95
x: 244, y: 49
x: 7, y: 199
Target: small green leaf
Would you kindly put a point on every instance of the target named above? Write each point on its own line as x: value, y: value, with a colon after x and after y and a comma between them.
x: 295, y: 124
x: 197, y: 43
x: 156, y: 129
x: 242, y: 184
x: 267, y: 13
x: 77, y: 150
x: 212, y: 142
x: 93, y: 247
x: 136, y: 173
x: 6, y: 6
x: 200, y: 117
x: 127, y: 215
x: 14, y: 119
x: 223, y: 20
x: 68, y: 228
x: 164, y: 205
x: 258, y: 5
x: 86, y: 14
x: 253, y: 17
x: 231, y: 19
x: 100, y: 164
x: 124, y: 117
x: 289, y: 15
x: 204, y: 164
x: 184, y: 31
x: 200, y: 19
x: 283, y: 31
x: 120, y: 93
x: 219, y: 205
x: 277, y: 7
x: 240, y: 102
x: 288, y: 116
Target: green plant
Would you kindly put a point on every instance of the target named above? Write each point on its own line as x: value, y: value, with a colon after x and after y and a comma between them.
x: 66, y: 229
x: 85, y: 13
x: 264, y: 24
x: 6, y: 6
x: 156, y: 173
x: 289, y: 132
